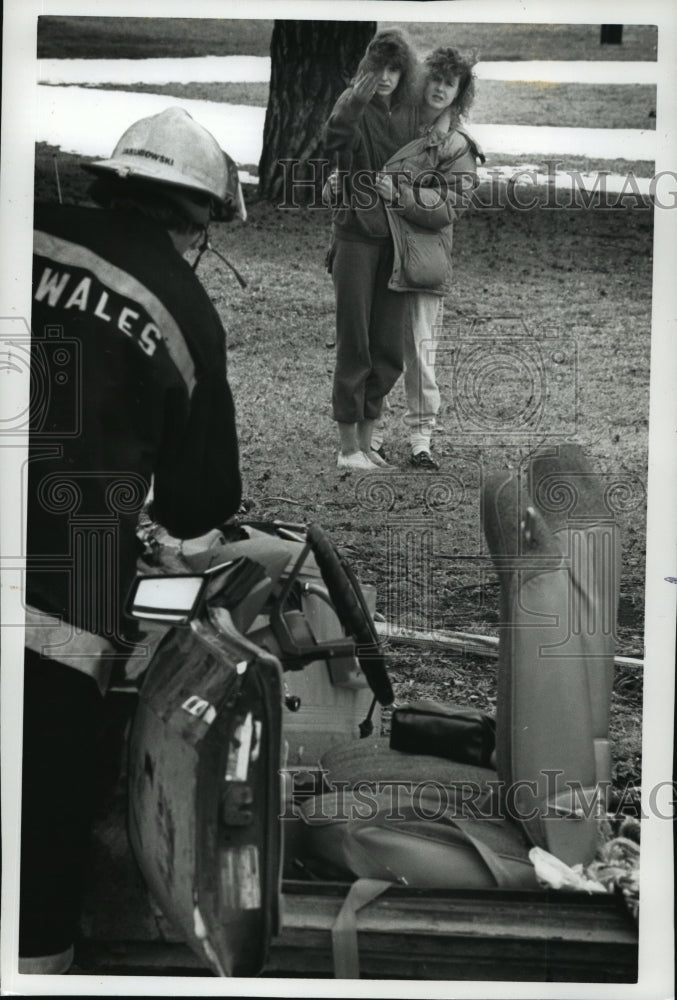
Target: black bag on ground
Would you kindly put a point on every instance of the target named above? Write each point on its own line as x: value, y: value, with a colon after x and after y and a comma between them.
x: 465, y: 735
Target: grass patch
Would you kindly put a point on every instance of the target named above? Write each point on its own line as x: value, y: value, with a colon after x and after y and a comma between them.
x: 572, y: 105
x: 156, y: 37
x: 534, y: 41
x: 582, y: 164
x: 150, y: 37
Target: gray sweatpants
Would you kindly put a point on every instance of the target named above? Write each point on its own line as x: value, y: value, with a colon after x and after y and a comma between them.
x: 370, y: 323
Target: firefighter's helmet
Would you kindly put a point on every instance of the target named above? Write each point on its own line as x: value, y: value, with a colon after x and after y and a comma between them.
x: 172, y: 149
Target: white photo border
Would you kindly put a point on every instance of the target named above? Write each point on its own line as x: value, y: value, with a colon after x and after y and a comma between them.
x: 19, y: 114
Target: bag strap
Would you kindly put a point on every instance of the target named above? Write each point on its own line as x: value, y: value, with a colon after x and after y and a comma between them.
x: 474, y: 145
x: 344, y: 931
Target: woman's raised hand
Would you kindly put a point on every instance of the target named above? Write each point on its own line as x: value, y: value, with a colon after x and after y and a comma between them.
x: 364, y: 86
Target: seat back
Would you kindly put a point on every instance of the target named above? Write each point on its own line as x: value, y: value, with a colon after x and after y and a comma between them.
x: 554, y: 543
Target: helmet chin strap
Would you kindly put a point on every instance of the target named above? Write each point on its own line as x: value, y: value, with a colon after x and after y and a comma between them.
x: 204, y: 245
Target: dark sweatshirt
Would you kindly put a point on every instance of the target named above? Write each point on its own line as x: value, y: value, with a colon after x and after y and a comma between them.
x: 363, y: 137
x: 128, y: 365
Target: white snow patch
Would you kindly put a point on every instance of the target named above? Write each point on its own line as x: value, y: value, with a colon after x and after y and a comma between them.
x: 90, y: 122
x: 256, y: 69
x: 200, y: 69
x: 569, y: 71
x: 594, y: 143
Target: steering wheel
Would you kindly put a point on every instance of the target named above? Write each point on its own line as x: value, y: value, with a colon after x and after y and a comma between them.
x: 352, y: 611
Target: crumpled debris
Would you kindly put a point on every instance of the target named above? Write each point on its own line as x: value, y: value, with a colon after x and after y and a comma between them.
x: 615, y: 867
x: 555, y: 874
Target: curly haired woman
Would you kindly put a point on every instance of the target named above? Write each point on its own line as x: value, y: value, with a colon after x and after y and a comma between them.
x: 437, y: 174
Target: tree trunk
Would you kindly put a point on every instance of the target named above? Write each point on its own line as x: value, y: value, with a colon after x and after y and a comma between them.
x: 311, y: 64
x: 611, y: 34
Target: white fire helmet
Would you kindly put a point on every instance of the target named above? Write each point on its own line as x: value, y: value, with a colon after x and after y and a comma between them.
x: 174, y: 150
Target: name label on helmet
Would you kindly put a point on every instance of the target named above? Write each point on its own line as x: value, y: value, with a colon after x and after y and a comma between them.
x: 149, y: 154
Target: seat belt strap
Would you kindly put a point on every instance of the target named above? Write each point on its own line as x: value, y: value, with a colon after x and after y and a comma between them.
x: 344, y: 931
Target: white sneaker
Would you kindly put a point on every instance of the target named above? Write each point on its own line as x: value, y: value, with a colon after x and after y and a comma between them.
x: 356, y: 462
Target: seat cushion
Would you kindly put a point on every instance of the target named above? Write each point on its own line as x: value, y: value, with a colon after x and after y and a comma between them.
x: 391, y: 834
x: 373, y: 760
x: 469, y: 793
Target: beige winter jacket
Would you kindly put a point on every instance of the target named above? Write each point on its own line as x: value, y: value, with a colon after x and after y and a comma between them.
x: 437, y: 175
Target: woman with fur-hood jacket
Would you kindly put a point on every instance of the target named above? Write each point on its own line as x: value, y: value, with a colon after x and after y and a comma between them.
x: 371, y: 120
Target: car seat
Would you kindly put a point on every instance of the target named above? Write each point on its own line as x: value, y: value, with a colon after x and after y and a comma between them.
x: 554, y: 544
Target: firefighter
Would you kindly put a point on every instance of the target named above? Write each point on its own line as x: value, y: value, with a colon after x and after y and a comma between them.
x: 129, y: 391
